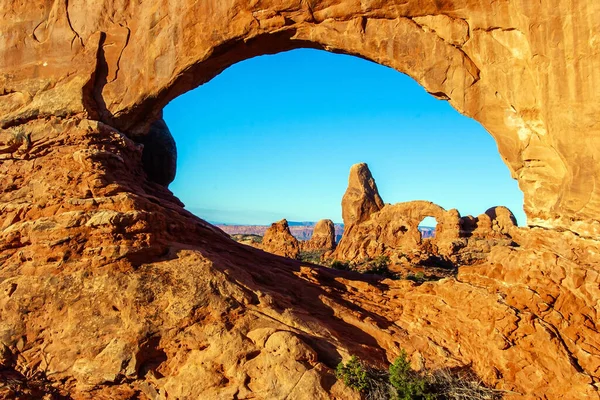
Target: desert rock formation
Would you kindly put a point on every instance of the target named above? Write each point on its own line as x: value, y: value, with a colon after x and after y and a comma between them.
x: 392, y: 230
x: 110, y: 289
x: 278, y: 240
x: 361, y: 198
x: 322, y: 239
x: 302, y: 231
x: 122, y: 63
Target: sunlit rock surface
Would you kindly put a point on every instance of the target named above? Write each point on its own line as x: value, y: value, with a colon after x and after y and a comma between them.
x: 322, y: 239
x: 392, y: 230
x: 527, y: 71
x: 110, y: 289
x: 278, y: 240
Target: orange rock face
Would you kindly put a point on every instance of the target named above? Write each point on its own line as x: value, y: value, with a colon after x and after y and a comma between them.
x: 110, y: 289
x: 121, y: 63
x: 278, y: 240
x: 361, y: 198
x: 323, y: 237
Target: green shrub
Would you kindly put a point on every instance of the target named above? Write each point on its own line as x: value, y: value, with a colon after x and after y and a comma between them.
x: 419, y: 277
x: 313, y: 257
x: 408, y: 384
x: 341, y: 265
x: 401, y: 382
x: 377, y: 266
x: 242, y: 237
x: 354, y: 374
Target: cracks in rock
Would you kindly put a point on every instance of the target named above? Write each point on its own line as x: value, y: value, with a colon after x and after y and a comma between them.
x: 39, y: 40
x: 556, y: 334
x: 363, y: 24
x: 475, y: 74
x: 552, y: 330
x: 310, y: 10
x: 71, y: 26
x: 118, y: 63
x: 495, y: 28
x: 296, y: 384
x: 7, y: 92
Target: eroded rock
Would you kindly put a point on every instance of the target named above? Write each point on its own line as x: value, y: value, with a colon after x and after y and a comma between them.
x: 278, y: 240
x: 393, y: 230
x: 100, y: 265
x: 322, y: 239
x: 361, y: 198
x: 152, y: 300
x: 122, y: 64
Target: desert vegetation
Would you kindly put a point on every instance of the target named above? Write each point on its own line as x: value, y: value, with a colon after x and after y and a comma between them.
x: 401, y: 382
x: 313, y: 257
x: 247, y: 238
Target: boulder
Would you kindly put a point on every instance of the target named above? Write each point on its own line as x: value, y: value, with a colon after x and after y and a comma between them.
x: 322, y: 239
x: 278, y: 240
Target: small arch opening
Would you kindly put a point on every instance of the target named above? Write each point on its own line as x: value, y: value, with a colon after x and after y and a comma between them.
x: 427, y: 227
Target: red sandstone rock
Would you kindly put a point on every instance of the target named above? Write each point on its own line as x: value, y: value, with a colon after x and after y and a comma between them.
x: 278, y: 240
x: 361, y: 198
x: 322, y: 239
x: 499, y: 63
x: 110, y: 289
x: 392, y: 230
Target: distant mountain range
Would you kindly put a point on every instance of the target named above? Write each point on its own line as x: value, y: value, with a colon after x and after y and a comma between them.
x: 301, y: 230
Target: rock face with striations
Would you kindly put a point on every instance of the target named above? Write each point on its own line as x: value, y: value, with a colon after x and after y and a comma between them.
x: 278, y: 240
x: 109, y: 288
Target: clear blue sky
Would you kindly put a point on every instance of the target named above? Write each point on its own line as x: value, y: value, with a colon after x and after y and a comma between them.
x: 274, y: 137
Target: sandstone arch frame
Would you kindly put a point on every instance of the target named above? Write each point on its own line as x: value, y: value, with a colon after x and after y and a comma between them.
x: 87, y: 239
x: 503, y: 64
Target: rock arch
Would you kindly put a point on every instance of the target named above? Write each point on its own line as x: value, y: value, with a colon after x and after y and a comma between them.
x: 88, y: 239
x: 121, y: 63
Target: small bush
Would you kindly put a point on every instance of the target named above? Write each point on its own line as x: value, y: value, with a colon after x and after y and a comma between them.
x: 354, y: 374
x: 419, y: 277
x: 242, y: 237
x: 342, y: 266
x: 313, y: 257
x: 371, y: 383
x: 401, y: 382
x: 408, y: 384
x: 377, y: 266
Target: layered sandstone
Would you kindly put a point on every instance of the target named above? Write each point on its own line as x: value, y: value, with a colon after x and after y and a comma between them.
x: 110, y: 289
x: 279, y: 240
x: 361, y: 198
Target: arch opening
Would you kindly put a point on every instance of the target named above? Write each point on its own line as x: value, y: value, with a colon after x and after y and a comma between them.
x: 300, y: 144
x: 427, y: 227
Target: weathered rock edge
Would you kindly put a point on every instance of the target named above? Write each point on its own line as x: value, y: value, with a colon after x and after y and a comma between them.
x: 527, y: 71
x: 110, y: 289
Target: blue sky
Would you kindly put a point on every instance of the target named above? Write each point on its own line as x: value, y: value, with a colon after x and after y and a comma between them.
x: 274, y: 137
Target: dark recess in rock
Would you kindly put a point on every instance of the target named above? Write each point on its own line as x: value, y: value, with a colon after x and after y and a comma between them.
x: 159, y: 157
